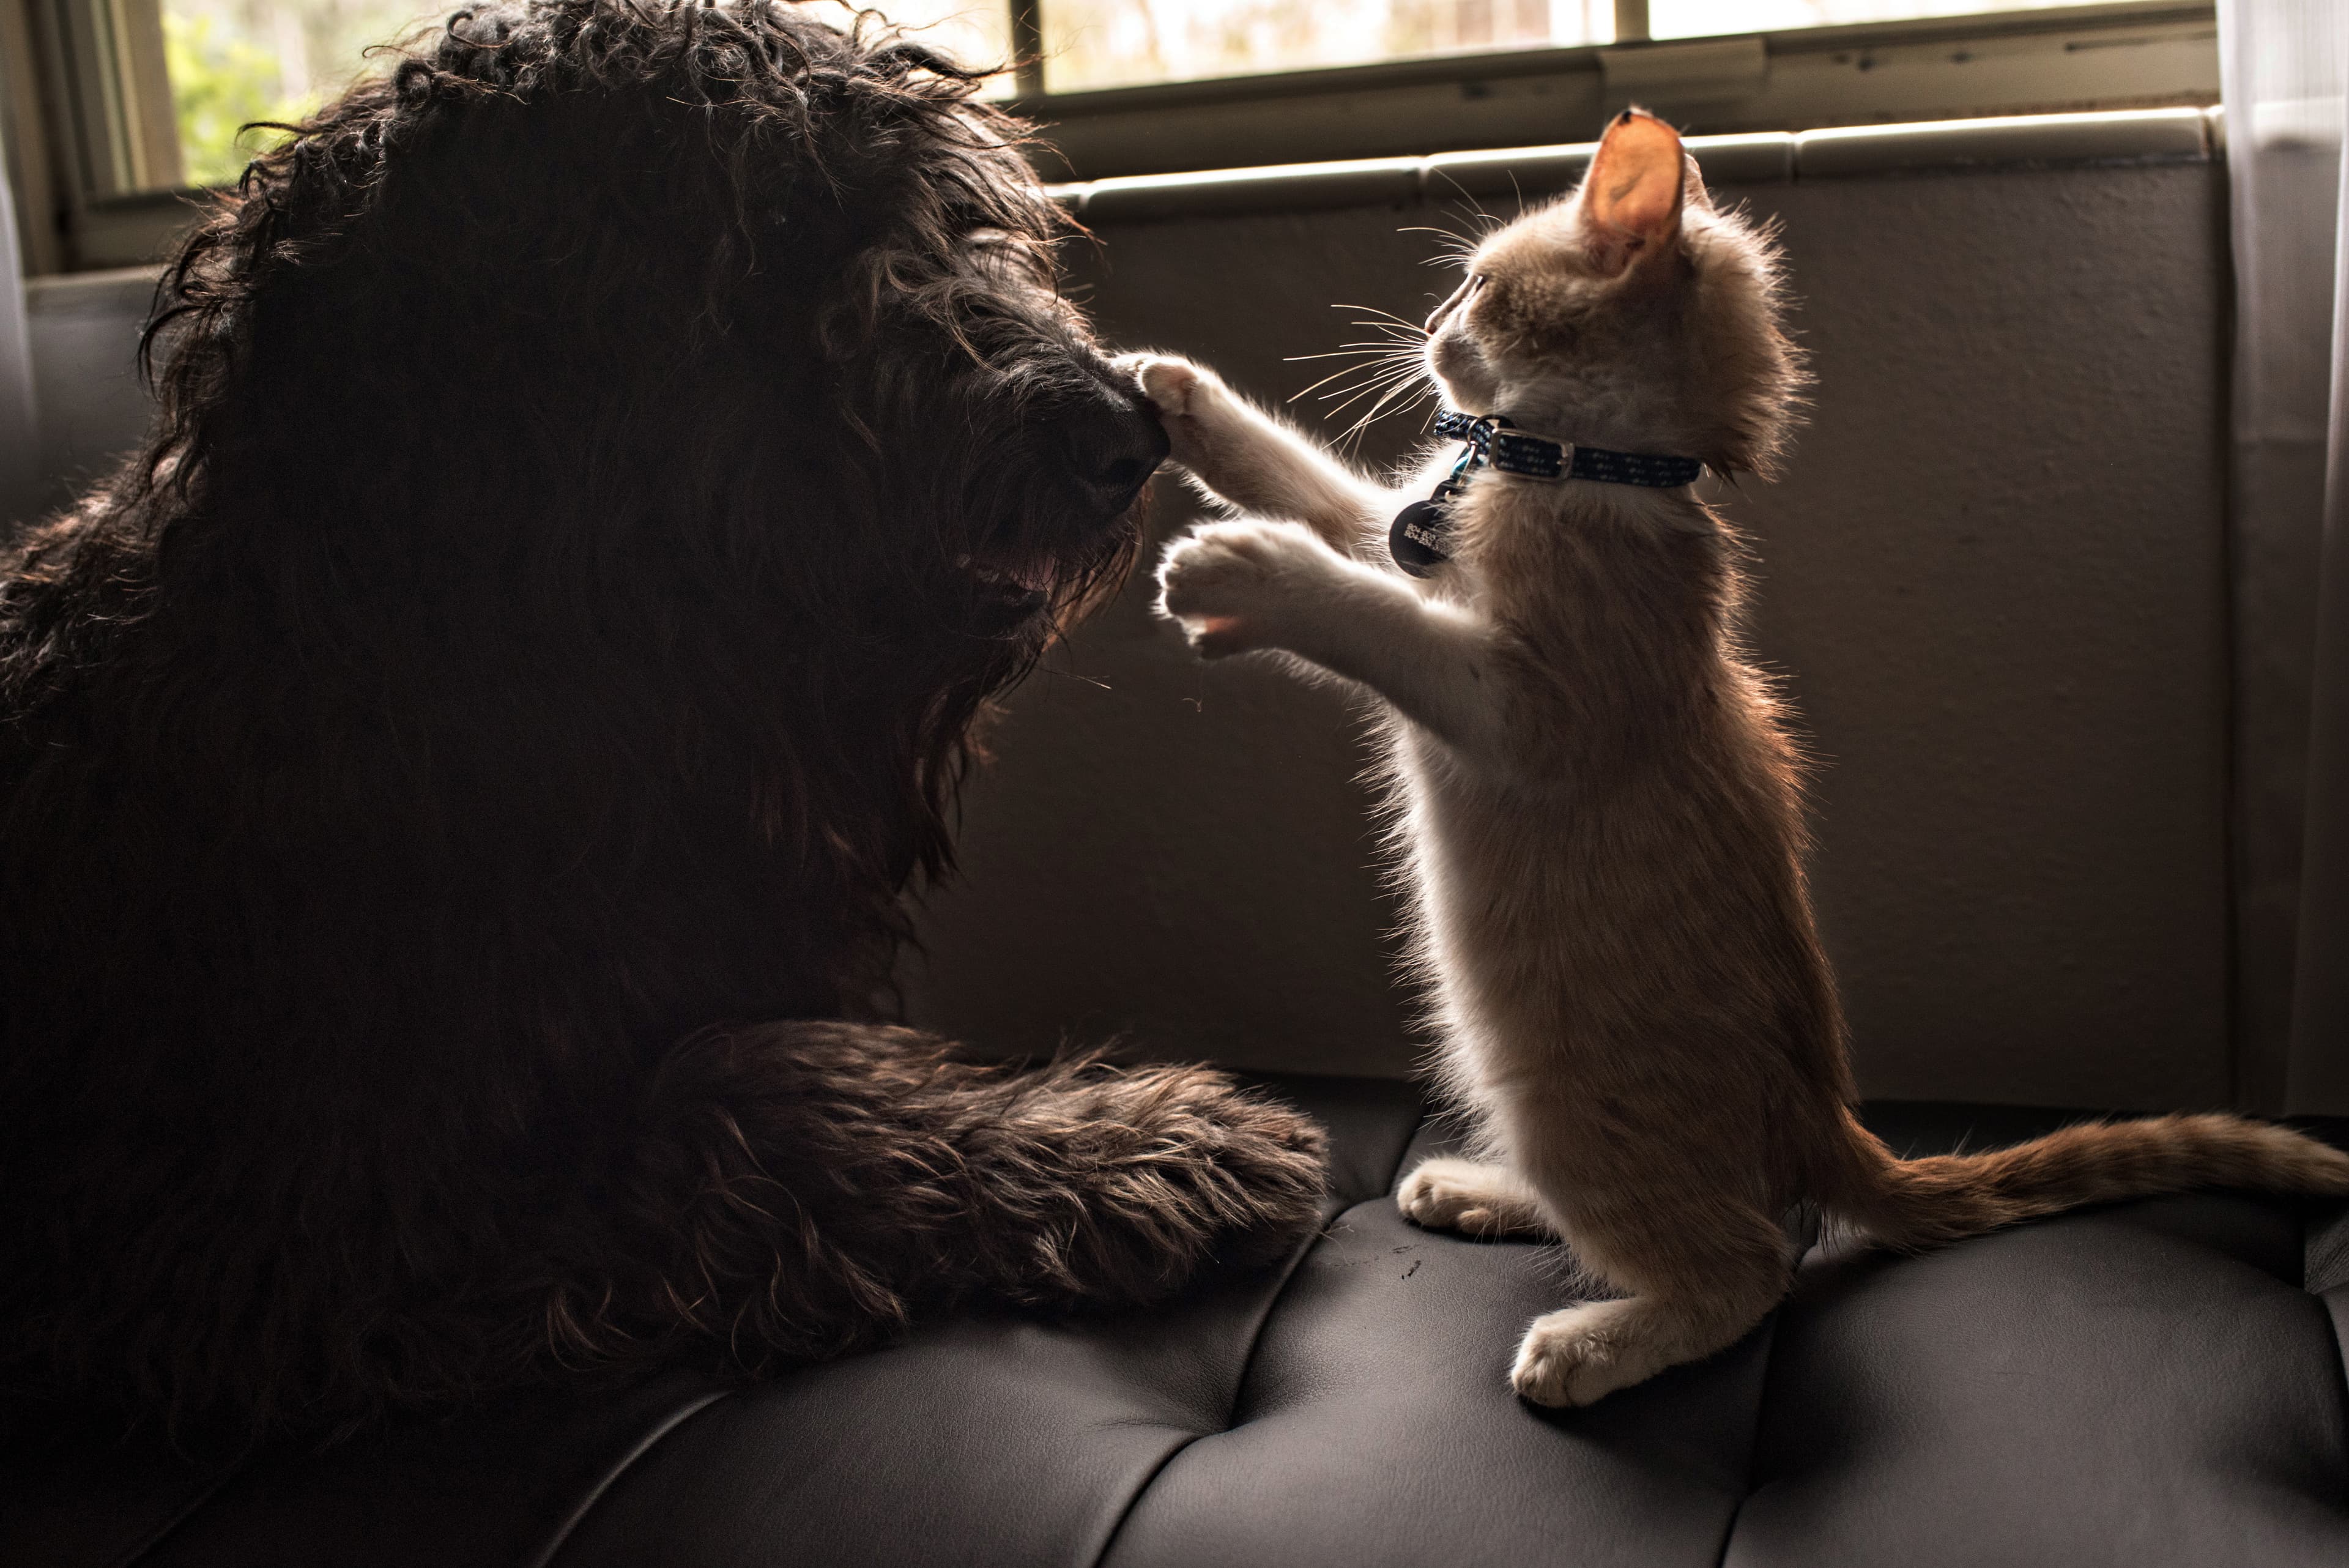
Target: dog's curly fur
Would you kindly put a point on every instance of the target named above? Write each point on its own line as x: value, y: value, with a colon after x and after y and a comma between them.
x: 457, y: 784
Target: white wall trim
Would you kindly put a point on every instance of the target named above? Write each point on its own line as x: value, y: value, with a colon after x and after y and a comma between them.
x: 2129, y: 136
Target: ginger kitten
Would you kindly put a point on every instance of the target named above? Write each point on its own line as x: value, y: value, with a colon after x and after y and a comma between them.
x: 1598, y: 811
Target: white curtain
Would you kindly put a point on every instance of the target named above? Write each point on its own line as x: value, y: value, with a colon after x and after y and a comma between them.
x: 2284, y: 66
x: 20, y: 447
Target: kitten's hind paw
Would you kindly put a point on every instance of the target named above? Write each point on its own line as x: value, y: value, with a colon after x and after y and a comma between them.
x: 1472, y: 1199
x: 1581, y: 1355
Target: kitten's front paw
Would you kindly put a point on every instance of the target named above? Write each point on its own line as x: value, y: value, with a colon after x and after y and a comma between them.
x: 1580, y: 1356
x: 1464, y: 1196
x: 1168, y: 382
x: 1225, y: 583
x: 1194, y: 406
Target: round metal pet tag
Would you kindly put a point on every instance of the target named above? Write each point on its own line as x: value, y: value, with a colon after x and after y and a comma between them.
x: 1416, y: 540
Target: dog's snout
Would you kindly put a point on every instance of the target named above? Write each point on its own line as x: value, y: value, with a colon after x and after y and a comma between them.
x: 1115, y: 444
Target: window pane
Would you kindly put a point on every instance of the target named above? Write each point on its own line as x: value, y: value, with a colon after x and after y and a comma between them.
x: 237, y: 60
x: 234, y: 61
x: 1701, y: 19
x: 1115, y: 42
x: 973, y: 32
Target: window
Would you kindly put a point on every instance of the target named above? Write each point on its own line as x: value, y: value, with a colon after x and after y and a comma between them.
x: 1121, y: 43
x: 1702, y: 18
x: 1092, y: 43
x: 234, y: 61
x: 111, y: 106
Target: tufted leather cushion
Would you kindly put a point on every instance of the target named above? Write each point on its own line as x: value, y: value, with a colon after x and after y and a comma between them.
x: 2144, y: 1384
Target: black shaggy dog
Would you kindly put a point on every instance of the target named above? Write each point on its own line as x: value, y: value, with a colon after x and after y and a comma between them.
x: 457, y: 784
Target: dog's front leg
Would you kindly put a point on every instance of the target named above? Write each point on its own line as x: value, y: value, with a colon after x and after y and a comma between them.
x: 794, y: 1189
x: 1244, y: 455
x: 1238, y: 587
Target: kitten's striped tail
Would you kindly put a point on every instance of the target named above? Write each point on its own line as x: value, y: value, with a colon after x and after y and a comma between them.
x: 1917, y: 1203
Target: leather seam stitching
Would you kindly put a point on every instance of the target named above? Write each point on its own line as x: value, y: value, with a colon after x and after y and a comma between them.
x: 1239, y: 1386
x: 1239, y: 1383
x: 1108, y: 1542
x: 612, y: 1476
x: 1753, y: 1448
x: 211, y: 1489
x: 1394, y: 1174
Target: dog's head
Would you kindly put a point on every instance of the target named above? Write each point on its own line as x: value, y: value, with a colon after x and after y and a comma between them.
x: 983, y: 407
x: 720, y: 300
x: 694, y: 374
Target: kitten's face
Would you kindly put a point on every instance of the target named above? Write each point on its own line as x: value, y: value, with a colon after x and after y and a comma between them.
x: 1630, y: 315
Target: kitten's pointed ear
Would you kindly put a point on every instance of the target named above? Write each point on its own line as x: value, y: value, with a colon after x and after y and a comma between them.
x: 1692, y: 191
x: 1631, y: 197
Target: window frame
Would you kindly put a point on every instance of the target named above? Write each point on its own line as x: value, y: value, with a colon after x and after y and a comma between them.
x: 85, y: 105
x: 1975, y: 65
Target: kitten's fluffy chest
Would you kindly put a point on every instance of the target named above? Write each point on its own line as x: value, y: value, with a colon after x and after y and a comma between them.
x: 1610, y: 605
x: 1585, y: 834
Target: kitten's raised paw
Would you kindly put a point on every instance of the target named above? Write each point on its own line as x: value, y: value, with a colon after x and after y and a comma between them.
x: 1169, y: 383
x: 1197, y: 411
x: 1474, y: 1199
x: 1225, y: 583
x: 1581, y: 1355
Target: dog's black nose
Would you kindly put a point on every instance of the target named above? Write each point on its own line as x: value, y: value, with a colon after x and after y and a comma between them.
x: 1114, y: 445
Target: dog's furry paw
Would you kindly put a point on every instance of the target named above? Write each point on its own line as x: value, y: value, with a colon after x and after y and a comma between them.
x: 1228, y: 582
x: 1474, y: 1200
x: 1278, y: 1158
x: 1178, y: 1163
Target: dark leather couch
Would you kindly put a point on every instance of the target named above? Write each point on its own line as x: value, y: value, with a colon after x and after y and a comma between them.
x: 2159, y: 1383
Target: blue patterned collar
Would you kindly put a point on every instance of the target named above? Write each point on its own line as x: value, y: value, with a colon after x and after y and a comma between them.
x: 1417, y: 541
x: 1493, y: 440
